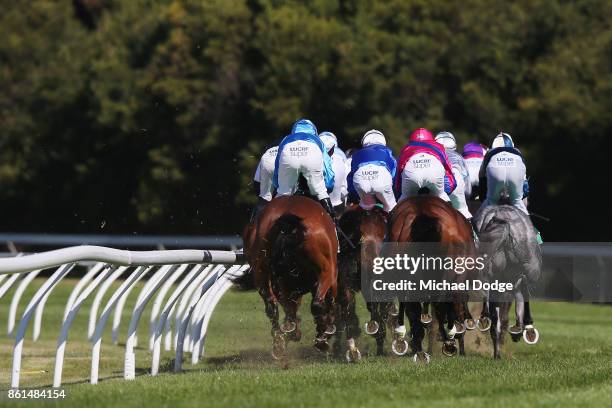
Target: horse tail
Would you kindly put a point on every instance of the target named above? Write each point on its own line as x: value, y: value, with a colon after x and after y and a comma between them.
x: 286, y: 236
x: 504, y: 197
x: 425, y: 229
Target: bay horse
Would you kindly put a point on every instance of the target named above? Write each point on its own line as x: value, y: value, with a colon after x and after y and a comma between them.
x: 429, y: 219
x: 291, y: 248
x: 365, y: 232
x: 508, y: 238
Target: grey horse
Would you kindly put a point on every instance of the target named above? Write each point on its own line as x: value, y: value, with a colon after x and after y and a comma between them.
x: 508, y: 239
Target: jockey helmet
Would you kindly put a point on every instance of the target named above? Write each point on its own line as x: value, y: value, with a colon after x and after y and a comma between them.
x: 502, y: 140
x: 421, y: 135
x: 447, y: 139
x: 372, y: 137
x: 329, y: 140
x: 304, y: 126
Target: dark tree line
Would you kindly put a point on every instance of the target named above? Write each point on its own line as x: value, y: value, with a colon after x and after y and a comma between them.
x: 150, y: 115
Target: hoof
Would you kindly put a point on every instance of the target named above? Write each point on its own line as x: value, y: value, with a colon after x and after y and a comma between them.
x: 515, y: 330
x: 459, y: 328
x: 288, y: 327
x: 295, y: 335
x: 484, y: 324
x: 279, y: 347
x: 531, y: 335
x: 516, y: 337
x: 322, y: 345
x: 330, y: 330
x: 470, y: 324
x: 399, y: 347
x: 449, y: 349
x: 421, y: 357
x: 353, y: 355
x: 426, y: 318
x: 371, y: 327
x: 393, y: 310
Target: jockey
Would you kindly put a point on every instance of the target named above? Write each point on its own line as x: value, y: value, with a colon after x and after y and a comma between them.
x: 473, y: 154
x: 262, y: 181
x: 339, y: 193
x: 423, y: 163
x: 303, y: 153
x: 503, y: 171
x: 372, y: 171
x: 460, y: 171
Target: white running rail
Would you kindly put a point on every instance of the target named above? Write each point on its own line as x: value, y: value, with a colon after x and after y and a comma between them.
x: 194, y: 279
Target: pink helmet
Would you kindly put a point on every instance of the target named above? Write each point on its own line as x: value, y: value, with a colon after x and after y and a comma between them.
x: 421, y: 135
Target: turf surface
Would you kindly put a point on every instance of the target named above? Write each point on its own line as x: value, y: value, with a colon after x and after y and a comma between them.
x: 571, y: 366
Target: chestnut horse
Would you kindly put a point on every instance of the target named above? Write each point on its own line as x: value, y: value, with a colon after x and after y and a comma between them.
x: 423, y: 219
x: 365, y: 232
x: 292, y: 248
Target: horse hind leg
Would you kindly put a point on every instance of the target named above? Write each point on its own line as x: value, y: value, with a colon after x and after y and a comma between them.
x: 290, y: 326
x: 484, y: 321
x: 399, y: 345
x: 352, y: 332
x: 531, y: 335
x: 418, y: 333
x: 500, y: 325
x: 321, y: 308
x: 445, y: 321
x: 516, y: 331
x: 279, y: 345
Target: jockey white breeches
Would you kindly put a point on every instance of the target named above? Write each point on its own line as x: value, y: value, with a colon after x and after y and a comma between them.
x: 339, y: 192
x: 506, y: 171
x: 473, y: 166
x: 457, y: 197
x: 423, y: 170
x: 373, y: 181
x: 265, y: 172
x: 305, y: 158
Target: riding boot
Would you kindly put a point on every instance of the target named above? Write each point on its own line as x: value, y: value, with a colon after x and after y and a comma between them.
x: 474, y: 234
x: 327, y: 206
x: 261, y: 203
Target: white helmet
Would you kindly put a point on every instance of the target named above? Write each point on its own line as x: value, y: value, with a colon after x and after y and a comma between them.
x: 373, y: 137
x: 447, y: 139
x: 329, y: 140
x: 502, y: 140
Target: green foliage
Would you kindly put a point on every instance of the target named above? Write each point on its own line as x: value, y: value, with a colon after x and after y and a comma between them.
x: 150, y: 115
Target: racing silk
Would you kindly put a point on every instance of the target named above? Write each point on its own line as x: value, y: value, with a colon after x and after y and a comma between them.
x: 456, y: 161
x: 482, y: 184
x: 433, y: 148
x: 377, y: 154
x: 328, y: 170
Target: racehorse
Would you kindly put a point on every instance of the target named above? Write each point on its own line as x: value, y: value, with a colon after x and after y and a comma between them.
x: 508, y: 238
x: 365, y: 232
x: 429, y: 219
x: 292, y: 248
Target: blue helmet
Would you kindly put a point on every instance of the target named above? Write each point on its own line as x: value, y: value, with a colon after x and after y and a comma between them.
x: 304, y: 126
